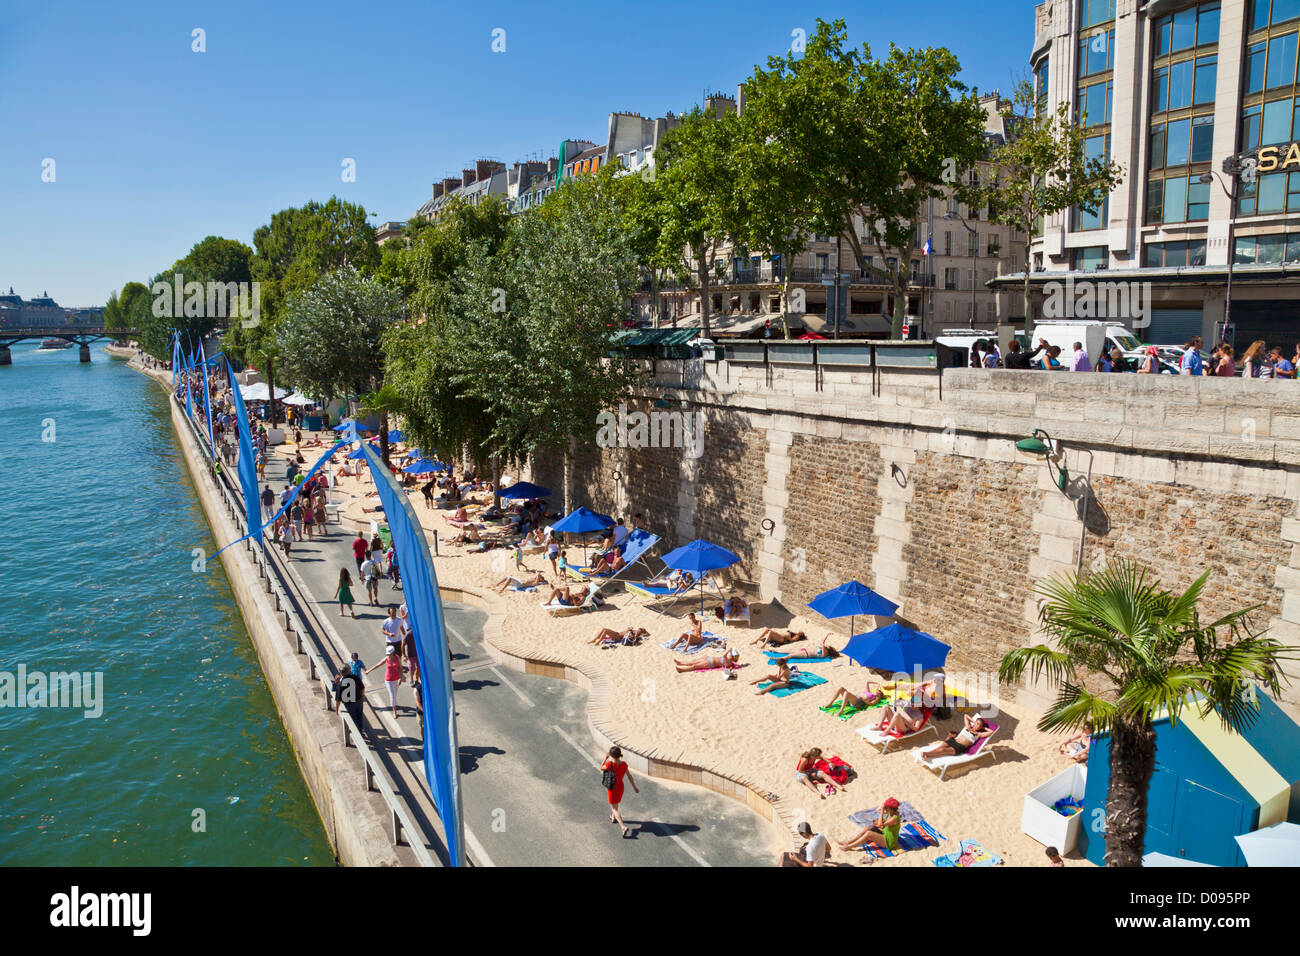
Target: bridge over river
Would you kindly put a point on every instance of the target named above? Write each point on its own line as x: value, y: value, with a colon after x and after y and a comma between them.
x: 78, y: 334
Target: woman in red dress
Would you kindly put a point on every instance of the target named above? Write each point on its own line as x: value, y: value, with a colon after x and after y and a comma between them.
x: 614, y: 763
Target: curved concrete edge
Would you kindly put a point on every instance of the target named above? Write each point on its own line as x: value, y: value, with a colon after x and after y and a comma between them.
x: 601, y: 723
x: 357, y: 834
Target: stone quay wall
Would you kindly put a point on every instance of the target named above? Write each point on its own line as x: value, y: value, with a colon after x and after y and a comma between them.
x: 909, y: 481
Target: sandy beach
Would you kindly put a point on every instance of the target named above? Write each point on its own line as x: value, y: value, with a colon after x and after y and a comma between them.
x: 723, y: 726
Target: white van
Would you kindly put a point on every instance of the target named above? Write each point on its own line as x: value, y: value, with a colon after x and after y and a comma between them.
x: 1096, y: 335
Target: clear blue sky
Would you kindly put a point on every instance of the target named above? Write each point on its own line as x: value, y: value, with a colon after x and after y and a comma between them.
x: 156, y: 146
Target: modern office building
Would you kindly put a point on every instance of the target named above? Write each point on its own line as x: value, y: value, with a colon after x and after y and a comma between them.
x: 1198, y: 104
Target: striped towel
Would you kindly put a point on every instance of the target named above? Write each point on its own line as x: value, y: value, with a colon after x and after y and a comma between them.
x: 912, y: 836
x: 970, y: 854
x: 709, y: 638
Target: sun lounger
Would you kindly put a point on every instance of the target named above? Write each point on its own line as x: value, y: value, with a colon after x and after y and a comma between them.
x: 634, y: 549
x: 872, y: 734
x: 656, y: 596
x: 741, y: 618
x: 942, y: 764
x: 588, y: 604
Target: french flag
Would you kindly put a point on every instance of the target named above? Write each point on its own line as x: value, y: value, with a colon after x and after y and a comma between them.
x: 925, y: 249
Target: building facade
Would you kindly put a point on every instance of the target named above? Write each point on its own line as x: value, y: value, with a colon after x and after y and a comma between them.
x: 1197, y: 102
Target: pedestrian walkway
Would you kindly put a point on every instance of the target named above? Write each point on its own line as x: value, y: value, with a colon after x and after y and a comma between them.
x: 530, y: 784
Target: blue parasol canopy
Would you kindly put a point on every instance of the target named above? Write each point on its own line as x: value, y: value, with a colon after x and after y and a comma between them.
x: 851, y: 599
x: 344, y: 425
x: 395, y: 434
x: 526, y: 489
x: 421, y: 467
x: 896, y: 649
x: 700, y: 555
x: 582, y: 519
x: 359, y: 453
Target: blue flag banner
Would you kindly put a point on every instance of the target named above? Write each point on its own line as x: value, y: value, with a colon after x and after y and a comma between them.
x: 176, y: 352
x: 207, y: 410
x: 247, y: 465
x: 320, y: 463
x: 424, y: 604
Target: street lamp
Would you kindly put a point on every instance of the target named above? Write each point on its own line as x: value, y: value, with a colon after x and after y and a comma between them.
x: 973, y: 254
x: 1040, y: 445
x: 1231, y: 166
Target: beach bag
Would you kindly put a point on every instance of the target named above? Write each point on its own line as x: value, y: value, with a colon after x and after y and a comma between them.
x: 608, y: 778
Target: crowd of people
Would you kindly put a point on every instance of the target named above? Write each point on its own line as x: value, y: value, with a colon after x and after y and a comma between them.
x: 1256, y: 361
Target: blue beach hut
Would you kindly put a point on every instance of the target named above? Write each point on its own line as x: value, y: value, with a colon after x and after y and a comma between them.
x: 1209, y: 786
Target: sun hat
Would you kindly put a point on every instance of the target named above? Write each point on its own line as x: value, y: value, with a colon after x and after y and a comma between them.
x: 891, y: 804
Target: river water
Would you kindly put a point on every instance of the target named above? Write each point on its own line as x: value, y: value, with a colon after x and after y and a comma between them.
x: 187, y: 762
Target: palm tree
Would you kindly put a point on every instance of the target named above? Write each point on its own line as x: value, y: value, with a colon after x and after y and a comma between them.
x: 266, y: 352
x: 386, y: 401
x: 1128, y: 653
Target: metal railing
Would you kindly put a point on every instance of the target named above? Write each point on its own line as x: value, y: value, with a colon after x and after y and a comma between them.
x: 319, y: 668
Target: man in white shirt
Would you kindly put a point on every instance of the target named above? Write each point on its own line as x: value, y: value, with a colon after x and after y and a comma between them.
x: 814, y: 852
x: 392, y: 626
x: 620, y: 533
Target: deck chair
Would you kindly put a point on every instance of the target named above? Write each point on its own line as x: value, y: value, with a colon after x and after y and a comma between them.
x: 636, y: 546
x: 942, y: 764
x: 742, y: 618
x: 656, y: 596
x: 884, y: 738
x: 588, y: 604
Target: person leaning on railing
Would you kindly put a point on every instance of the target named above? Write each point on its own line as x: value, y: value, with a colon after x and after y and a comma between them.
x: 1017, y: 358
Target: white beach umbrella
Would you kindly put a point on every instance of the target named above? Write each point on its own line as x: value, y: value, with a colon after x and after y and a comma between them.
x: 298, y: 399
x: 1164, y: 859
x: 1278, y: 845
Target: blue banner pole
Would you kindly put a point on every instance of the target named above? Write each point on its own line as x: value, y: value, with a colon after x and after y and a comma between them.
x: 424, y: 604
x: 247, y: 464
x: 207, y: 410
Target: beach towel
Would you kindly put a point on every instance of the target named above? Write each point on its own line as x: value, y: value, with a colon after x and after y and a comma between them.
x: 709, y: 638
x: 800, y: 680
x: 917, y: 835
x: 775, y: 657
x: 970, y: 854
x: 527, y: 590
x: 849, y: 712
x: 835, y: 768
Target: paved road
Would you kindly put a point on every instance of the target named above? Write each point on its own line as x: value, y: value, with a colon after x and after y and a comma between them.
x: 530, y: 782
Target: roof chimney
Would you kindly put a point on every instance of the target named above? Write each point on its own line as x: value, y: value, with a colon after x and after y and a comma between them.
x: 466, y: 177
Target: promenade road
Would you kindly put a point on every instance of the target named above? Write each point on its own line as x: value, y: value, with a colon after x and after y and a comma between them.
x: 530, y: 782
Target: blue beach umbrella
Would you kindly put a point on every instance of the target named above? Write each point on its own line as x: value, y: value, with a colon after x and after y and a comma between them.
x: 359, y: 453
x: 413, y: 453
x: 526, y: 489
x: 421, y: 467
x: 395, y: 434
x: 344, y: 425
x: 851, y: 599
x: 582, y: 519
x: 896, y: 649
x: 698, y: 557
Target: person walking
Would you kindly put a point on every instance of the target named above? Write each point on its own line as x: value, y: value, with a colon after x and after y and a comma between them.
x: 344, y: 592
x: 1191, y: 362
x: 370, y: 578
x: 349, y: 691
x: 360, y: 549
x: 613, y: 773
x: 308, y: 517
x: 377, y: 550
x: 392, y: 627
x: 1080, y: 362
x: 392, y: 665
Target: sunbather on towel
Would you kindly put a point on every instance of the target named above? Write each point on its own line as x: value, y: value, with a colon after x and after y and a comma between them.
x: 1076, y: 748
x: 848, y: 699
x: 510, y: 581
x: 469, y: 536
x: 771, y: 636
x: 693, y: 636
x: 732, y: 608
x: 567, y: 596
x: 632, y: 635
x: 884, y: 832
x: 821, y: 650
x: 959, y: 741
x: 780, y: 679
x: 808, y: 775
x: 729, y: 660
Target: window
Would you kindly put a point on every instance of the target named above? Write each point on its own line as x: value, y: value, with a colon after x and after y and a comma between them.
x: 1090, y: 258
x: 1158, y: 255
x: 823, y: 262
x: 1207, y: 72
x: 1202, y: 138
x: 1281, y: 61
x: 972, y: 244
x: 1281, y: 11
x: 995, y: 244
x: 1255, y: 67
x: 1041, y: 91
x: 1097, y: 53
x: 1096, y: 12
x: 947, y: 243
x: 1094, y: 103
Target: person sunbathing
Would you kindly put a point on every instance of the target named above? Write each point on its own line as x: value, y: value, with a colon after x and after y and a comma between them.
x: 777, y: 638
x: 630, y: 636
x: 1076, y: 748
x: 907, y: 719
x: 778, y: 680
x: 679, y: 581
x: 567, y: 596
x: 693, y: 636
x: 531, y: 581
x: 609, y: 563
x: 959, y: 741
x: 806, y: 772
x: 469, y: 535
x: 729, y: 659
x: 730, y: 609
x: 848, y: 699
x: 313, y: 443
x: 822, y: 650
x: 883, y: 832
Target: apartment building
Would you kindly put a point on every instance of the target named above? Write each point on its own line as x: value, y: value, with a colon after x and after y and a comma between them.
x: 1198, y: 104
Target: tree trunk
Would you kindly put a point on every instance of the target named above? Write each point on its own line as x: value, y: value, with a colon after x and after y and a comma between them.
x: 1025, y: 302
x: 270, y: 387
x: 568, y: 474
x: 900, y: 305
x: 1132, y: 762
x: 704, y: 294
x: 383, y: 437
x: 654, y: 296
x: 785, y: 303
x: 496, y: 481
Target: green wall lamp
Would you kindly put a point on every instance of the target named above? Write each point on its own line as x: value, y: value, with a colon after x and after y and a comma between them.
x: 1040, y: 445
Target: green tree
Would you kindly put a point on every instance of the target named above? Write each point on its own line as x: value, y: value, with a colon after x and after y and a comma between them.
x: 1127, y: 653
x: 113, y: 317
x: 1044, y: 169
x: 869, y: 142
x: 221, y: 261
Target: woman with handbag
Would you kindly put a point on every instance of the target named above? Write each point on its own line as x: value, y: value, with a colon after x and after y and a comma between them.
x: 612, y: 774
